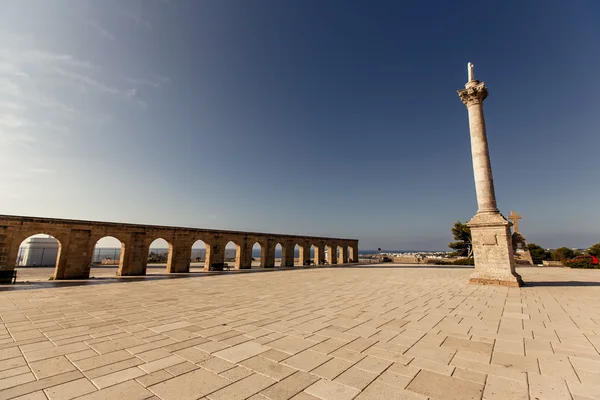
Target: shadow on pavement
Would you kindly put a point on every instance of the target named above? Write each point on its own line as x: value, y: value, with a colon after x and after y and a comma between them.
x: 410, y: 266
x: 562, y: 284
x: 27, y: 285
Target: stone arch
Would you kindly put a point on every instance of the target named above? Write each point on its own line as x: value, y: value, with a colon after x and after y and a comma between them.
x: 200, y: 253
x: 236, y: 257
x: 115, y: 254
x: 278, y: 254
x: 18, y: 237
x: 257, y: 254
x: 298, y: 255
x: 46, y: 252
x: 161, y: 255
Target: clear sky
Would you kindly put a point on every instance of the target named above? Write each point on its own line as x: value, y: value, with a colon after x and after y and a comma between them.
x: 304, y: 117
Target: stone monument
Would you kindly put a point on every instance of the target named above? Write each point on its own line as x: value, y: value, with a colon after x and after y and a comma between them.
x: 490, y: 231
x: 520, y: 250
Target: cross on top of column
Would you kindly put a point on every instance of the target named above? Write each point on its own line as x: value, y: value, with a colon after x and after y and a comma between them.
x: 515, y: 220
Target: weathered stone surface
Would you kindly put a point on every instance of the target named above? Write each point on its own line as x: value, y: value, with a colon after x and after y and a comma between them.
x: 77, y: 240
x: 490, y: 231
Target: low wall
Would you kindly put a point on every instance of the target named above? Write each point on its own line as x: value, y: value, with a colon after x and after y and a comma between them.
x: 406, y: 260
x: 552, y: 263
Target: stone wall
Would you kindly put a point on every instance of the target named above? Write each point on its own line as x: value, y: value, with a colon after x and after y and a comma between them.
x: 552, y: 263
x: 77, y: 240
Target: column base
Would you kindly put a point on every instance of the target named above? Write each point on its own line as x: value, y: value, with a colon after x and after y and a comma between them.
x: 492, y: 251
x: 513, y: 281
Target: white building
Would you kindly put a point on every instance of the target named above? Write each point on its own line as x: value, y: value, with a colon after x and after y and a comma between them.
x: 38, y: 251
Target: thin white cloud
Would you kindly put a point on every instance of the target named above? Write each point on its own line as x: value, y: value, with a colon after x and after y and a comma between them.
x: 138, y: 20
x: 86, y: 82
x: 12, y: 121
x: 37, y: 56
x: 131, y: 92
x: 47, y: 94
x: 99, y: 28
x: 154, y: 82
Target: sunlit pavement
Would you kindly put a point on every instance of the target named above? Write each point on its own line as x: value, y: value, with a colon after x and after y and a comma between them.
x: 364, y: 332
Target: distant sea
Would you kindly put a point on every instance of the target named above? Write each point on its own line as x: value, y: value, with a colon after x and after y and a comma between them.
x: 101, y: 253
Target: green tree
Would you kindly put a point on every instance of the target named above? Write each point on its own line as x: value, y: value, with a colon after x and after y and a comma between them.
x: 594, y: 250
x: 563, y: 254
x: 538, y: 254
x: 463, y: 245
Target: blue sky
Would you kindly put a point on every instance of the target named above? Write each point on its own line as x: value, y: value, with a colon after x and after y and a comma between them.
x: 332, y: 118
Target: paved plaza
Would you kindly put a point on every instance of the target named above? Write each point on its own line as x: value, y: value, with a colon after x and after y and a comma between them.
x: 340, y: 333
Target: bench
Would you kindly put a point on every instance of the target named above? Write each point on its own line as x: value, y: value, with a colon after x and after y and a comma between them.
x: 8, y: 276
x: 323, y: 262
x: 308, y: 262
x: 219, y: 266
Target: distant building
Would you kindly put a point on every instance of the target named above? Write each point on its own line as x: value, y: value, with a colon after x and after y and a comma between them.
x: 38, y: 251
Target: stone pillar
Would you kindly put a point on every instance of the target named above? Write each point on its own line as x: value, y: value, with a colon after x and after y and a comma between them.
x: 343, y: 258
x: 268, y: 254
x: 179, y: 257
x: 5, y: 240
x: 134, y: 256
x: 215, y: 252
x: 245, y: 256
x: 287, y: 254
x: 332, y: 254
x: 303, y: 252
x: 490, y: 231
x: 9, y: 252
x: 354, y: 252
x: 73, y: 260
x: 319, y: 250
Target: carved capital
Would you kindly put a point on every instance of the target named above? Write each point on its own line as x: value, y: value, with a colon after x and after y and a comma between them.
x: 474, y: 94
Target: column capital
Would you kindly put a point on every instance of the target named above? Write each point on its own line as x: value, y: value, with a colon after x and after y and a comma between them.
x: 474, y: 92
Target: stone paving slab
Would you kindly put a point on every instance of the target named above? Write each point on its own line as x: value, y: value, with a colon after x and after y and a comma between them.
x: 362, y: 332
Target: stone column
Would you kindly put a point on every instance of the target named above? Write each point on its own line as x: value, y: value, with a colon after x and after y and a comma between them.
x: 11, y: 239
x: 5, y: 241
x: 179, y: 257
x: 215, y: 252
x: 287, y: 254
x: 354, y: 252
x: 343, y: 258
x: 245, y: 255
x: 134, y: 256
x: 318, y: 255
x: 490, y: 231
x: 303, y: 252
x: 332, y: 254
x: 75, y: 265
x: 268, y: 254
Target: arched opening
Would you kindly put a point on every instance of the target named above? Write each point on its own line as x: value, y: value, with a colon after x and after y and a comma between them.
x: 38, y: 257
x: 257, y: 256
x: 311, y: 255
x: 159, y: 254
x: 107, y: 256
x: 297, y: 259
x: 198, y: 256
x: 351, y: 256
x: 278, y: 255
x: 232, y: 254
x: 326, y: 257
x: 342, y: 257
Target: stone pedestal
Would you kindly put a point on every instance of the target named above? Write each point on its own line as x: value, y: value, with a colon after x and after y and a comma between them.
x: 490, y: 231
x: 492, y: 251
